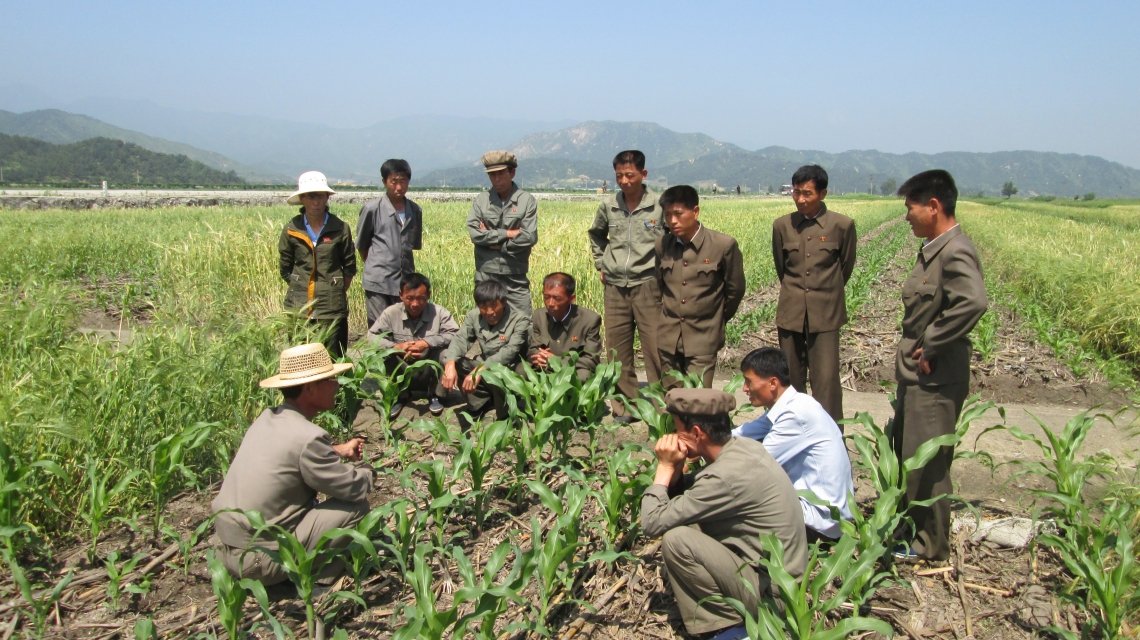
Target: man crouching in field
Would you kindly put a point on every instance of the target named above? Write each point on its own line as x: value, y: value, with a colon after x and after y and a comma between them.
x: 712, y: 521
x: 283, y: 462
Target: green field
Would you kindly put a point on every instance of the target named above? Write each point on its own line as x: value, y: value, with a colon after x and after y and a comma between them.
x: 86, y: 421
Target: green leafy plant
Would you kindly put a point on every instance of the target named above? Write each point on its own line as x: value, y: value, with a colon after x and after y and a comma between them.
x: 102, y: 492
x: 116, y: 571
x: 167, y: 464
x: 231, y: 594
x: 477, y: 451
x: 41, y: 599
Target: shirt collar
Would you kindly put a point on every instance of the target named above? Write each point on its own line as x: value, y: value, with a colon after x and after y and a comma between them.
x: 931, y: 249
x: 309, y: 230
x: 565, y: 317
x: 495, y: 199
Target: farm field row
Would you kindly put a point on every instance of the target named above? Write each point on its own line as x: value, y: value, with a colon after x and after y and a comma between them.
x: 90, y: 425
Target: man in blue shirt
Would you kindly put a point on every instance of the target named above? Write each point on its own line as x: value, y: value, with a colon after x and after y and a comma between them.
x: 802, y: 437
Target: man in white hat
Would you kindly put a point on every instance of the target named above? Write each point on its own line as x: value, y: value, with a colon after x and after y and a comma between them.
x: 283, y: 463
x: 503, y: 225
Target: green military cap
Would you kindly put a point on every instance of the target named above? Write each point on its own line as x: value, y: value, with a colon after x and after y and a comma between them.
x: 699, y: 402
x: 498, y: 160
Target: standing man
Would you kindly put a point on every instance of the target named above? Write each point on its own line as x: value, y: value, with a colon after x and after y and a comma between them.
x: 562, y: 326
x: 712, y: 520
x: 814, y: 250
x: 943, y: 299
x: 701, y: 276
x: 503, y: 225
x: 420, y: 330
x: 283, y: 462
x: 622, y: 238
x: 802, y: 438
x: 389, y: 229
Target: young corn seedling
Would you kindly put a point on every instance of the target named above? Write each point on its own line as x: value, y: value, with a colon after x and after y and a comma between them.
x: 116, y: 571
x: 41, y: 599
x: 381, y: 374
x: 553, y: 553
x: 627, y: 477
x: 399, y: 538
x: 231, y: 594
x: 304, y: 566
x: 440, y: 497
x: 96, y: 503
x: 425, y: 619
x: 476, y: 455
x: 490, y: 599
x: 167, y: 465
x: 805, y: 603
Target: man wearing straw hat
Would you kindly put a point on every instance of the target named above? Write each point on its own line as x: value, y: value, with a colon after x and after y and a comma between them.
x: 283, y: 462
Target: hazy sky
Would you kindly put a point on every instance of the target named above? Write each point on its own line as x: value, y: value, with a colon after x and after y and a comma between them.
x: 893, y: 76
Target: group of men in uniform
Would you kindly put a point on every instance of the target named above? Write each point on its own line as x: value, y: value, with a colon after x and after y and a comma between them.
x: 675, y: 283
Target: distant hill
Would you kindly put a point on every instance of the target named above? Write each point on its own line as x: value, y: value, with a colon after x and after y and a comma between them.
x: 556, y: 159
x: 61, y: 127
x: 89, y: 162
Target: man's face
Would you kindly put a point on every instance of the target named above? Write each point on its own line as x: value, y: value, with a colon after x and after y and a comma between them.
x: 492, y: 312
x: 922, y: 219
x: 629, y: 178
x: 761, y: 391
x: 557, y: 301
x: 415, y: 300
x: 681, y: 220
x: 323, y: 393
x: 396, y: 184
x: 808, y: 198
x: 501, y: 180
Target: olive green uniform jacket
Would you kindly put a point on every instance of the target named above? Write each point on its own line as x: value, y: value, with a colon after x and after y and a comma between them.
x: 943, y: 299
x: 622, y: 241
x: 503, y: 343
x: 581, y: 331
x: 317, y: 273
x: 494, y: 253
x: 702, y: 285
x: 814, y: 259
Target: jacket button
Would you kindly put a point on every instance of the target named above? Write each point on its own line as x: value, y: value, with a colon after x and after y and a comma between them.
x: 684, y: 282
x: 682, y: 301
x: 685, y: 263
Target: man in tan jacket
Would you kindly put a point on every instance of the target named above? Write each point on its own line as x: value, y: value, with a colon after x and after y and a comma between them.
x: 283, y: 462
x: 814, y: 252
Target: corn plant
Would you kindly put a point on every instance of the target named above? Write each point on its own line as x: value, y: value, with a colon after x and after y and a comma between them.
x: 97, y: 502
x: 440, y: 497
x: 231, y: 594
x: 41, y: 599
x: 381, y: 374
x: 554, y: 552
x: 476, y: 455
x: 619, y: 497
x: 167, y: 464
x: 304, y: 566
x: 806, y: 604
x: 116, y: 571
x: 399, y: 538
x: 490, y: 599
x: 425, y: 619
x: 187, y: 543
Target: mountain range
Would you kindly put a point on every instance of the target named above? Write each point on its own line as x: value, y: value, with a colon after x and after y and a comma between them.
x: 444, y: 151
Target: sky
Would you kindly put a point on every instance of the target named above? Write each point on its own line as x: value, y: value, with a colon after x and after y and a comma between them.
x: 832, y: 76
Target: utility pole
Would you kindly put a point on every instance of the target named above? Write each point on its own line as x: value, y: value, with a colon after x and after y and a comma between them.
x: 136, y: 177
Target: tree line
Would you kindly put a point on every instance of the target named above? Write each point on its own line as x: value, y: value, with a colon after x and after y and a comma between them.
x: 89, y: 162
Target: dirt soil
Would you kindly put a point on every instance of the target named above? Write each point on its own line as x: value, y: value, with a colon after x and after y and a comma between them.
x: 985, y: 591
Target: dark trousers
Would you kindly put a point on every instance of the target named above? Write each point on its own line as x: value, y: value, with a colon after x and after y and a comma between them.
x: 484, y: 397
x: 337, y: 340
x: 815, y: 355
x: 923, y: 413
x: 375, y: 304
x: 671, y: 361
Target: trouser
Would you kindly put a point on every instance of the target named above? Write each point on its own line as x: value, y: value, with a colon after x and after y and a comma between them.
x: 424, y: 379
x: 327, y: 515
x: 628, y: 308
x: 698, y: 566
x: 815, y: 355
x: 704, y: 364
x: 375, y: 304
x: 336, y: 340
x: 484, y: 397
x: 923, y: 413
x: 518, y: 289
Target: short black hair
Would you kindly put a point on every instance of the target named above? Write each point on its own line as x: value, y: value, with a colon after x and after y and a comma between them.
x: 395, y: 165
x: 935, y: 183
x: 564, y: 280
x: 718, y: 427
x: 630, y: 156
x: 813, y: 173
x: 415, y: 281
x: 681, y: 194
x: 291, y: 393
x: 767, y: 362
x: 489, y: 291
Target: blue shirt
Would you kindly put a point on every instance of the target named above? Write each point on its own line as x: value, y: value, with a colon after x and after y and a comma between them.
x: 803, y: 438
x: 309, y: 230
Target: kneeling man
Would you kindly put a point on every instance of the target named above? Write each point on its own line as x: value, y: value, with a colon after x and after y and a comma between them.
x: 421, y: 330
x: 283, y: 463
x: 562, y: 326
x: 712, y: 521
x: 801, y: 436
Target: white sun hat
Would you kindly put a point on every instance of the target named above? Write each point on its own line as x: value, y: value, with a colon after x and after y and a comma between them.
x: 306, y: 363
x: 309, y: 182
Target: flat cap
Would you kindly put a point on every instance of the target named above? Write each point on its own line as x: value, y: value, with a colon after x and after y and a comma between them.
x: 699, y: 402
x: 499, y: 160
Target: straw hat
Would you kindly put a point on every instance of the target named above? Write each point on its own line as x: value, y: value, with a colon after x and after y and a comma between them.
x: 306, y: 363
x: 309, y: 182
